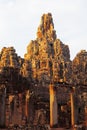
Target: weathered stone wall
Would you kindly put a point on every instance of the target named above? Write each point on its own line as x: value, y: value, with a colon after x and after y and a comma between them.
x: 49, y: 57
x: 9, y: 58
x: 79, y: 67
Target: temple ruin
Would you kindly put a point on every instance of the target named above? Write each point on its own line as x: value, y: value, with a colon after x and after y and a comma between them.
x: 45, y: 88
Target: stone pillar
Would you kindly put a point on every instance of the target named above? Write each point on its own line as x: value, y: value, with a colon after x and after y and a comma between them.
x: 7, y: 111
x: 15, y: 113
x: 27, y: 104
x: 31, y: 110
x: 74, y: 108
x: 86, y: 117
x: 11, y: 111
x: 2, y: 107
x: 53, y: 107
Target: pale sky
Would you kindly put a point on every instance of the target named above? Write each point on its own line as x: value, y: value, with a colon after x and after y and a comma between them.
x: 19, y: 20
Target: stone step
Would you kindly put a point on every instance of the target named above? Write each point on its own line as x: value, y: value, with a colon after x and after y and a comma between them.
x: 57, y: 129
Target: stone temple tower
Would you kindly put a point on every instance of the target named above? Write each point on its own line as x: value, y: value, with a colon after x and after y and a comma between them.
x: 49, y: 57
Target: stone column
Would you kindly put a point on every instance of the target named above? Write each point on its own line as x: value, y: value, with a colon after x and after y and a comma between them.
x: 86, y: 117
x: 53, y: 107
x: 31, y: 110
x: 27, y: 104
x: 2, y: 107
x: 74, y: 108
x: 11, y: 113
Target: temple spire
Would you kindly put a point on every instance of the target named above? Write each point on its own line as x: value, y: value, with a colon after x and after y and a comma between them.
x: 46, y: 28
